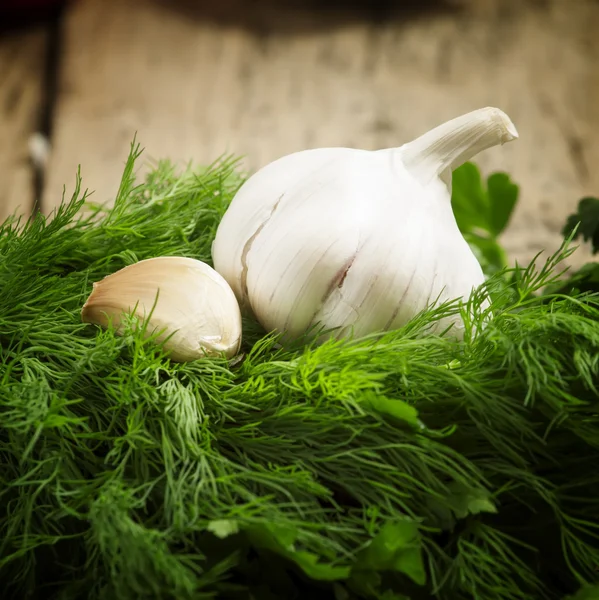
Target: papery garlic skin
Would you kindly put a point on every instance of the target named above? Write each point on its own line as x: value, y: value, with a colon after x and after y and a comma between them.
x: 187, y: 299
x: 355, y: 239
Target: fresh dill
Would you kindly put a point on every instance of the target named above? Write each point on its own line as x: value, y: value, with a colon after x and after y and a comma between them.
x: 396, y: 466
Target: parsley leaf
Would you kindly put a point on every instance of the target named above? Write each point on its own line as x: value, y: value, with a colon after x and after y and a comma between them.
x: 587, y: 221
x: 483, y: 211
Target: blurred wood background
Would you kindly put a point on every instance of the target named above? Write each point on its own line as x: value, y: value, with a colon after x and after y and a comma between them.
x: 262, y: 78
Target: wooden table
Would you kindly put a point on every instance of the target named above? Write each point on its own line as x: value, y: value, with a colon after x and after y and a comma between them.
x: 269, y: 77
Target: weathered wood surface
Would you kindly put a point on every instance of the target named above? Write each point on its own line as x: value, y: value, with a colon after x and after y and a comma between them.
x: 194, y: 87
x: 22, y: 62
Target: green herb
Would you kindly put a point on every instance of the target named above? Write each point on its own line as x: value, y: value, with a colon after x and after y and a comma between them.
x: 585, y: 222
x: 483, y: 212
x: 398, y: 466
x: 582, y: 224
x: 586, y: 593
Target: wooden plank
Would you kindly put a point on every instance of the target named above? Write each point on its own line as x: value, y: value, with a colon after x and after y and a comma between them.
x: 194, y: 87
x: 22, y: 64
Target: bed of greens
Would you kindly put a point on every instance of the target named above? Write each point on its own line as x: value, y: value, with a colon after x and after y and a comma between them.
x: 399, y: 466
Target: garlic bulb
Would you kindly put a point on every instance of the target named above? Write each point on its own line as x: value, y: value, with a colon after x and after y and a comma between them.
x: 355, y: 239
x: 191, y: 303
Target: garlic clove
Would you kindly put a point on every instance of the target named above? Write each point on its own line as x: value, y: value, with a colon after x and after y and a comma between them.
x: 306, y: 258
x: 259, y: 199
x: 188, y: 301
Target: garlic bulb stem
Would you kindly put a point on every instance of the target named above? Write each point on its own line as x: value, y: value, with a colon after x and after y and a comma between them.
x: 453, y: 143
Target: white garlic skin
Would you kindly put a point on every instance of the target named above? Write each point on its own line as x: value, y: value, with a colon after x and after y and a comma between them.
x: 195, y: 306
x: 351, y: 239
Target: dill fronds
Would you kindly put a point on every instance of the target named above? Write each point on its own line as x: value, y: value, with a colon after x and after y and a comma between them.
x: 399, y: 465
